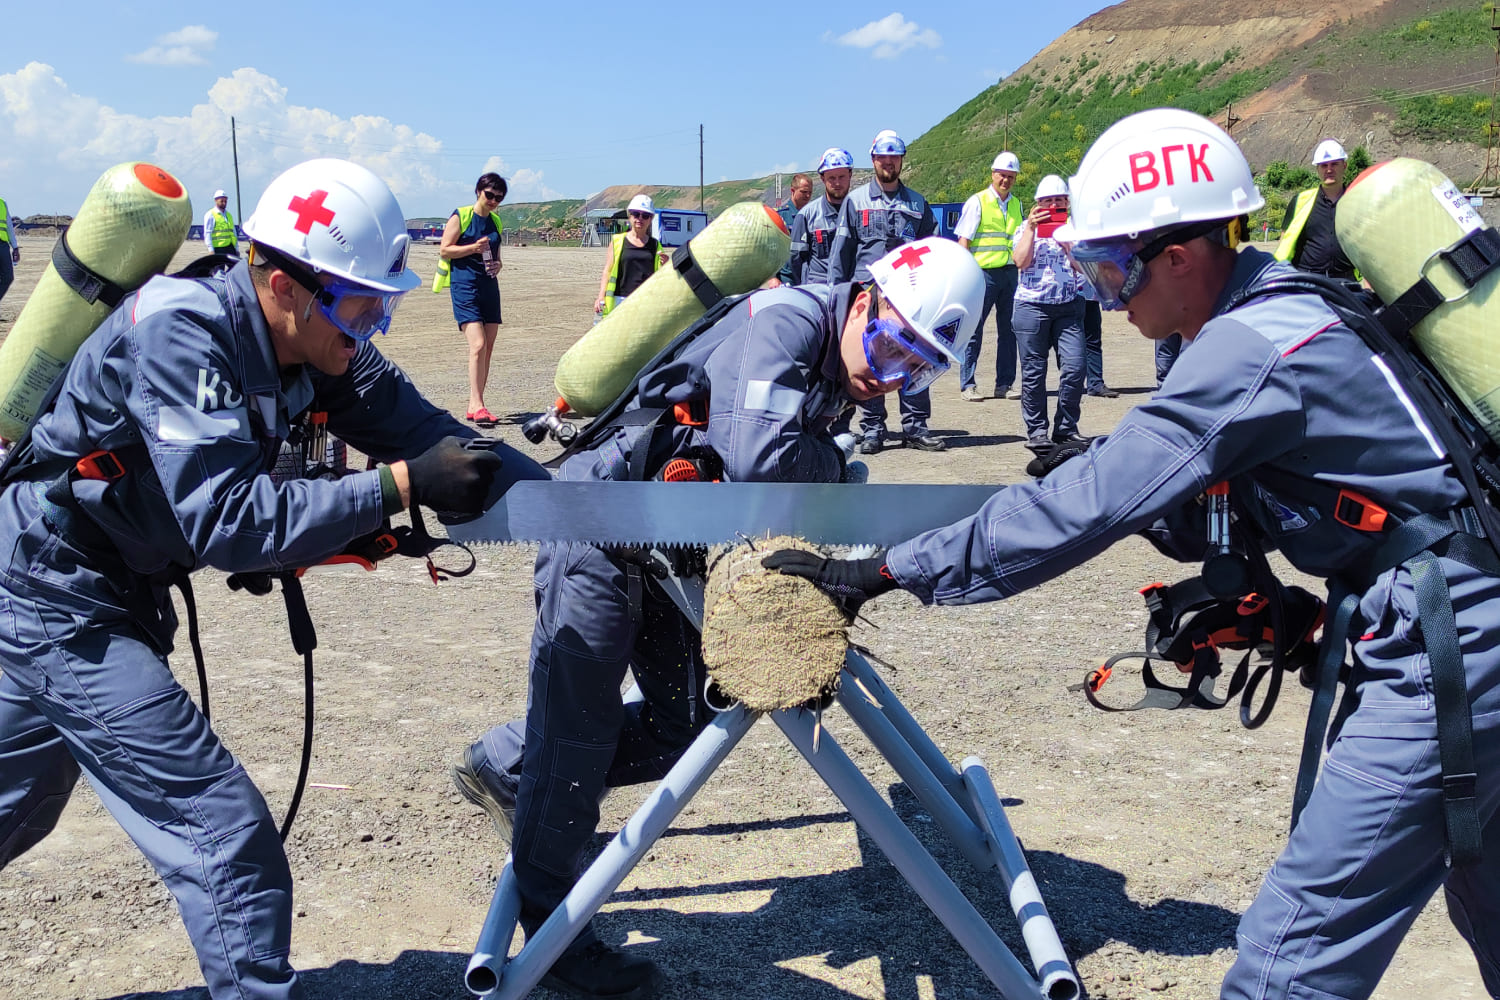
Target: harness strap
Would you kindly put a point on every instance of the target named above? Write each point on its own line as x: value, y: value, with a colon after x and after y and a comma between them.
x: 702, y: 285
x: 90, y: 285
x: 1342, y: 603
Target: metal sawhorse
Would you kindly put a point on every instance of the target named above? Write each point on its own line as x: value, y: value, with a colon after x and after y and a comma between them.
x: 962, y: 802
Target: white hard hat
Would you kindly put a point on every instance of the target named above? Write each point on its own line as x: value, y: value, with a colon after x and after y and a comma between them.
x: 936, y: 285
x: 887, y: 143
x: 1008, y: 162
x: 1328, y: 151
x: 221, y: 193
x: 641, y: 203
x: 337, y: 218
x: 1052, y: 186
x: 834, y: 158
x: 1158, y: 168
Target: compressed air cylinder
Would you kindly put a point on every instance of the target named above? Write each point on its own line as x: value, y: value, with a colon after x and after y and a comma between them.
x: 1394, y: 218
x: 738, y: 251
x: 127, y: 229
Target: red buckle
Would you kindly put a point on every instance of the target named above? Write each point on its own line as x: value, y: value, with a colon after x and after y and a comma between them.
x: 386, y: 543
x: 102, y: 465
x: 693, y: 413
x: 1148, y: 588
x: 1252, y: 604
x: 1220, y: 489
x: 1359, y: 512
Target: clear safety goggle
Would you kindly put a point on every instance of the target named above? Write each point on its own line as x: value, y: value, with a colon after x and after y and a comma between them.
x: 1115, y: 267
x: 357, y: 310
x: 896, y: 354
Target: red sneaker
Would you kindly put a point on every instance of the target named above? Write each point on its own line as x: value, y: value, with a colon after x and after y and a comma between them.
x: 483, y: 417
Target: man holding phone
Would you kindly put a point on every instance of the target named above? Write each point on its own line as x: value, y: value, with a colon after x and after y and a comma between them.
x: 1048, y: 316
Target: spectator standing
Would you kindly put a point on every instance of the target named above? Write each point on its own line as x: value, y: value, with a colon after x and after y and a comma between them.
x: 634, y: 256
x: 875, y: 220
x: 801, y: 194
x: 10, y: 253
x: 814, y: 227
x: 1308, y: 240
x: 1093, y: 342
x: 218, y: 227
x: 1048, y: 316
x: 470, y: 261
x: 987, y: 226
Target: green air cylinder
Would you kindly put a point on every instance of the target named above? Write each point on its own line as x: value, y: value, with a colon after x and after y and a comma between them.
x: 1392, y: 222
x: 127, y: 230
x: 738, y: 251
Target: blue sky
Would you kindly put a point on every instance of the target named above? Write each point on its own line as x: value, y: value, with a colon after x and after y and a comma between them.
x: 564, y: 99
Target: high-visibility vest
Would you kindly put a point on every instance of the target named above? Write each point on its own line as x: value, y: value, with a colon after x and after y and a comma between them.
x: 4, y: 221
x: 1301, y: 212
x: 617, y: 254
x: 993, y: 241
x: 444, y: 275
x: 222, y: 237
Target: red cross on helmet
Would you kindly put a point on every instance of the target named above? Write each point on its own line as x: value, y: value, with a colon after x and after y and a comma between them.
x: 340, y: 219
x: 936, y: 287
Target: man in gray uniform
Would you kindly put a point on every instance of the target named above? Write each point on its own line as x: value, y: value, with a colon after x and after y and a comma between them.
x: 814, y: 227
x: 1327, y: 461
x: 781, y: 364
x: 152, y: 463
x: 875, y: 220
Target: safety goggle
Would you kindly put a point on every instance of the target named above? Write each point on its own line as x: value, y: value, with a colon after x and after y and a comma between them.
x: 357, y: 310
x: 1116, y: 268
x: 896, y: 354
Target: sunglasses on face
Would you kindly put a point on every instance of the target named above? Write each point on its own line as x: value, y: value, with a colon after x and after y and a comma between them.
x: 640, y: 215
x: 493, y: 196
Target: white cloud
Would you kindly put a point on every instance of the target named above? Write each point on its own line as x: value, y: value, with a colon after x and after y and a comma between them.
x: 183, y: 47
x: 54, y: 143
x: 890, y: 36
x: 520, y: 185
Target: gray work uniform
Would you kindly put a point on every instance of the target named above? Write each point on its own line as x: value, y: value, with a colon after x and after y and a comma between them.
x: 812, y: 241
x: 1289, y: 406
x: 181, y: 384
x: 773, y: 365
x: 871, y: 224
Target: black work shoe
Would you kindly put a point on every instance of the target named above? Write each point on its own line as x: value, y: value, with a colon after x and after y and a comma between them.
x: 1103, y: 392
x: 925, y: 442
x: 597, y: 970
x: 871, y: 443
x: 1039, y: 442
x: 1075, y: 440
x: 489, y: 792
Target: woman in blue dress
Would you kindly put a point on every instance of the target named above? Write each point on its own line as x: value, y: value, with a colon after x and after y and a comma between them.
x: 471, y: 251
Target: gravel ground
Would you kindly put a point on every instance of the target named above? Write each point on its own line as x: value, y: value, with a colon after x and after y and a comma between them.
x: 1148, y: 833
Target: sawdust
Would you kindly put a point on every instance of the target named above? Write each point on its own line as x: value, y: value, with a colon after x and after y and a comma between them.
x: 770, y: 640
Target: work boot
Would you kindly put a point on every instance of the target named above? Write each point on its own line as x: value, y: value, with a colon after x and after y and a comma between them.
x: 1074, y: 440
x: 1038, y: 442
x: 925, y: 442
x: 870, y: 443
x: 482, y: 786
x: 1103, y: 392
x: 597, y: 970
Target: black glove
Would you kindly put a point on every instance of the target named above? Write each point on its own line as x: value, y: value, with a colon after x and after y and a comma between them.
x: 455, y: 475
x: 851, y: 582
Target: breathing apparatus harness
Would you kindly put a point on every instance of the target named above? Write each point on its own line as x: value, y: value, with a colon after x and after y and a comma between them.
x: 1469, y: 535
x: 65, y: 516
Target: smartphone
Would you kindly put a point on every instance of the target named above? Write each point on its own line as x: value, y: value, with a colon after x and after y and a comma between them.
x: 1056, y: 217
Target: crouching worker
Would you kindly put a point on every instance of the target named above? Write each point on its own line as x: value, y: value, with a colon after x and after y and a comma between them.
x: 1328, y: 460
x: 772, y: 375
x: 178, y: 406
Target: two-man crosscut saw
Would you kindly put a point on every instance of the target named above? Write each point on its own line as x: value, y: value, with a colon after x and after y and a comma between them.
x: 657, y: 514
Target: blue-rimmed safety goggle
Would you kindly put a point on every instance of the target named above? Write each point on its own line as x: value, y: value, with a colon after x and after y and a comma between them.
x: 357, y: 310
x: 1116, y: 269
x: 897, y: 354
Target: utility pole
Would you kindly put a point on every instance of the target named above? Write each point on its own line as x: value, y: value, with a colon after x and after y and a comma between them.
x: 778, y: 189
x: 1491, y: 173
x: 234, y: 144
x: 700, y: 167
x: 1005, y: 142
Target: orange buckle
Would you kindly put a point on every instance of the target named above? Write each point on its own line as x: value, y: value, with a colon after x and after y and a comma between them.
x: 386, y: 543
x: 1148, y: 588
x: 1252, y: 604
x: 693, y: 413
x: 1098, y: 678
x: 99, y: 465
x: 1359, y: 512
x: 317, y: 417
x: 1218, y: 489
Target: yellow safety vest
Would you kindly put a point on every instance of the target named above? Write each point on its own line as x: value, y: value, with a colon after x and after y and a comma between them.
x: 1301, y: 212
x: 4, y: 221
x: 617, y: 254
x: 992, y: 242
x: 444, y: 275
x: 222, y: 237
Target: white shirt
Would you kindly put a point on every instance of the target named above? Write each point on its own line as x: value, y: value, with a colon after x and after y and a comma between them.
x: 968, y: 219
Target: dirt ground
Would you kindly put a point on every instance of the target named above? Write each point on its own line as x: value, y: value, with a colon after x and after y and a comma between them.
x: 1148, y: 833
